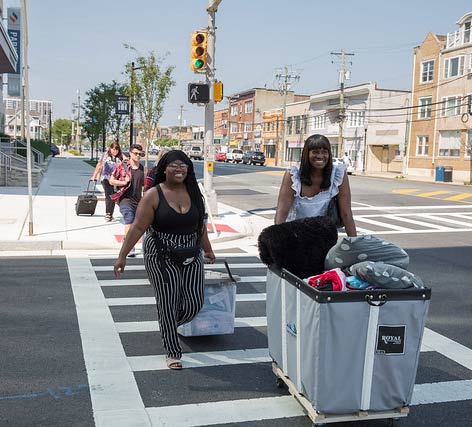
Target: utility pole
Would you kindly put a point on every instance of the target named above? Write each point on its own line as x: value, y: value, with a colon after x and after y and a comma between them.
x: 285, y: 78
x: 25, y: 108
x: 131, y: 108
x: 180, y: 126
x: 77, y: 128
x: 342, y: 112
x: 208, y: 143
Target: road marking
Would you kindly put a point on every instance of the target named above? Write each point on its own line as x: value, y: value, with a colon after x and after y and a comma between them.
x: 443, y: 392
x: 362, y: 218
x: 411, y: 208
x: 139, y: 267
x: 201, y: 359
x: 401, y: 217
x: 459, y: 197
x: 432, y: 193
x: 405, y: 190
x: 117, y: 302
x: 153, y: 326
x: 448, y: 220
x: 223, y: 412
x: 112, y: 383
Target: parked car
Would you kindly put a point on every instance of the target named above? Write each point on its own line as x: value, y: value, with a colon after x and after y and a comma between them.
x: 220, y: 157
x: 254, y: 158
x: 195, y: 153
x: 349, y: 169
x: 54, y: 150
x: 154, y: 151
x: 235, y: 155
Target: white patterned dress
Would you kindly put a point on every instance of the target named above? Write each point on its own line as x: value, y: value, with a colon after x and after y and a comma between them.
x: 304, y: 206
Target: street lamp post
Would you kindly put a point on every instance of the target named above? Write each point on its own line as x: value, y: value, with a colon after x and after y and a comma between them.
x: 131, y: 105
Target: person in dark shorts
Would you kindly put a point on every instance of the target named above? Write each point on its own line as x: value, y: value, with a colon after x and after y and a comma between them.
x: 173, y: 213
x: 128, y: 177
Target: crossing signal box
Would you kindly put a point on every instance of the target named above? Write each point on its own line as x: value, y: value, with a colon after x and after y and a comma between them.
x: 198, y: 51
x: 198, y: 93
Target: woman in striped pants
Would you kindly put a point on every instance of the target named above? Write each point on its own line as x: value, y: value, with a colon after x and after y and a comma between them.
x: 173, y: 211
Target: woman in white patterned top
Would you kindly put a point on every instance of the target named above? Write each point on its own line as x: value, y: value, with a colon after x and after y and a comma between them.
x: 306, y: 191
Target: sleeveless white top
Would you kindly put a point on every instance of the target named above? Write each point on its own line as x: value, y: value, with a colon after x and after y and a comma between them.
x: 304, y: 206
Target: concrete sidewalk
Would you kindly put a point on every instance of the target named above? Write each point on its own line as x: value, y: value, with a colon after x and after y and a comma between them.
x: 56, y: 225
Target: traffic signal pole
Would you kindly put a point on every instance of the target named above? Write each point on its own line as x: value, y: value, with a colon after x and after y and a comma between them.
x: 208, y: 143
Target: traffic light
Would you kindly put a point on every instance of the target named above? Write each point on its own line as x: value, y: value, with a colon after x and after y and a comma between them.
x: 198, y: 51
x: 218, y: 91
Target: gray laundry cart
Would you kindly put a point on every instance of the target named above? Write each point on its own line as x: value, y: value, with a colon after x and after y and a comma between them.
x: 351, y: 355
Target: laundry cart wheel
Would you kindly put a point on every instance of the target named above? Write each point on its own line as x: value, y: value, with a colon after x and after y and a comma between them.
x: 280, y: 383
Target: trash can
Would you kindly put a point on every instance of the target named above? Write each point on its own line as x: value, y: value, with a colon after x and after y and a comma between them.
x: 439, y: 174
x: 217, y: 314
x: 346, y: 351
x: 447, y: 173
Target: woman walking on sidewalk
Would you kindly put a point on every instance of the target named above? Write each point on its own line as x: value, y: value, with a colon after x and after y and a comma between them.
x: 173, y: 213
x: 105, y: 167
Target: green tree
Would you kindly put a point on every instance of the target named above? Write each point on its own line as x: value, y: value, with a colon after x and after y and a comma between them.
x: 62, y: 131
x: 150, y: 84
x: 100, y: 118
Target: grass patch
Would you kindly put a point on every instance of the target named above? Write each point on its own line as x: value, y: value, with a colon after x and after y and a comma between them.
x: 92, y: 163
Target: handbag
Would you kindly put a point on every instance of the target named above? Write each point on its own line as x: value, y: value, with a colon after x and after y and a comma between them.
x: 333, y: 212
x: 176, y: 255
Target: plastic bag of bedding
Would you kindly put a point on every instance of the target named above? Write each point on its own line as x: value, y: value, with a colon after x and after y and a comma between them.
x: 351, y: 250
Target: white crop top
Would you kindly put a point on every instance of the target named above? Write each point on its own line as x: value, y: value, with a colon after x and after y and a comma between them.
x: 304, y: 206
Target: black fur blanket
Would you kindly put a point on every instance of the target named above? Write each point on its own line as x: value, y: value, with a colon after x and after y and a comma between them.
x: 299, y: 246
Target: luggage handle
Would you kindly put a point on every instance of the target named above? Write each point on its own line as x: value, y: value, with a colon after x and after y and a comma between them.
x: 370, y: 300
x: 94, y: 186
x: 227, y: 270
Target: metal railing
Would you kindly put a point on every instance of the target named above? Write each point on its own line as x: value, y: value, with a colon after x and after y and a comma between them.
x: 5, y: 167
x: 37, y: 156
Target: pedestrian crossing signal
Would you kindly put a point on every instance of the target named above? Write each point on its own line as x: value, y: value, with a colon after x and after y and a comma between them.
x: 198, y: 51
x: 198, y: 93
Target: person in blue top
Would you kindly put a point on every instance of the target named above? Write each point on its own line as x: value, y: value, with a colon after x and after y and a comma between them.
x: 104, y: 169
x: 306, y: 191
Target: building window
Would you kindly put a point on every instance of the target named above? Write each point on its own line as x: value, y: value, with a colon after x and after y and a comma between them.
x: 427, y: 71
x: 298, y: 124
x: 319, y: 122
x: 248, y: 107
x: 424, y: 109
x: 247, y: 126
x: 450, y: 106
x: 468, y: 145
x: 355, y: 119
x: 467, y: 31
x: 454, y: 67
x: 449, y: 143
x: 234, y: 127
x: 234, y: 110
x: 422, y: 143
x: 289, y: 125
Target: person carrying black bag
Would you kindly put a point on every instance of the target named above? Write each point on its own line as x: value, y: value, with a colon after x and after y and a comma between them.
x: 173, y: 213
x: 316, y: 188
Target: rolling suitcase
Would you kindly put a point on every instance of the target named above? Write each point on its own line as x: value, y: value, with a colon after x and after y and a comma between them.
x: 87, y: 202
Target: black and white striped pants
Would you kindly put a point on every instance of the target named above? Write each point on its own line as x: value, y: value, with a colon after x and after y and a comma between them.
x: 179, y: 300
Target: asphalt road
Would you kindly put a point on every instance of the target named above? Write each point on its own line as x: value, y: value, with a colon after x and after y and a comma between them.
x: 44, y: 355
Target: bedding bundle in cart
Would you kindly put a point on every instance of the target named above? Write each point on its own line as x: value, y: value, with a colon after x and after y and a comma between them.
x: 365, y: 262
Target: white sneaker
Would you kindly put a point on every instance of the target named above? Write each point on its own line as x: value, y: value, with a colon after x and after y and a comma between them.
x: 132, y: 253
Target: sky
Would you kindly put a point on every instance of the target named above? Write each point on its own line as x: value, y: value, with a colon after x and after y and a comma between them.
x: 75, y: 45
